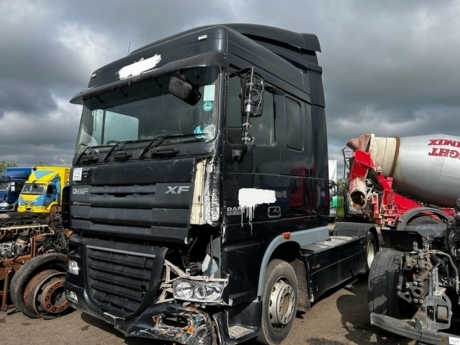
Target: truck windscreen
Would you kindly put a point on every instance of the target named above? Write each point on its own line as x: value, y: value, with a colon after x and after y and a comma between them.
x: 146, y: 109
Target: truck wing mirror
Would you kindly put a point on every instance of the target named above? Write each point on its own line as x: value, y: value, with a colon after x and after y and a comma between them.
x: 184, y: 90
x: 14, y: 187
x: 50, y: 189
x: 252, y: 106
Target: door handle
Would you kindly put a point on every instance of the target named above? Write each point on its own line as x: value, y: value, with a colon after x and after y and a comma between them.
x: 274, y: 212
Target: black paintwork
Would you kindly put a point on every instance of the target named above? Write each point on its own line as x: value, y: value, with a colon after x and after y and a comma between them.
x: 123, y: 196
x: 133, y: 200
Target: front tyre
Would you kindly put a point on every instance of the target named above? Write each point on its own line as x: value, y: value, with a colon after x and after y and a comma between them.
x: 279, y: 302
x: 382, y: 284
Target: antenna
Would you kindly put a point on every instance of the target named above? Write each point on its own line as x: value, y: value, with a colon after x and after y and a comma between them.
x: 129, y: 46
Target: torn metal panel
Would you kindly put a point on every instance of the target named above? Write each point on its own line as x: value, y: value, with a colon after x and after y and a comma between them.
x: 196, y: 215
x: 175, y: 323
x: 212, y: 192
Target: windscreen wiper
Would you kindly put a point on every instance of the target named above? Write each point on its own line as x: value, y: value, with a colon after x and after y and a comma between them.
x: 120, y: 154
x: 159, y: 139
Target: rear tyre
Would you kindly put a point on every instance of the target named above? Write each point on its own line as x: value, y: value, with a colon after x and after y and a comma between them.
x: 279, y: 302
x: 425, y: 220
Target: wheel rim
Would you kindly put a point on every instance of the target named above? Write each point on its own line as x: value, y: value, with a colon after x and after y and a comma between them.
x: 46, y: 294
x: 51, y: 295
x: 282, y: 303
x: 370, y: 254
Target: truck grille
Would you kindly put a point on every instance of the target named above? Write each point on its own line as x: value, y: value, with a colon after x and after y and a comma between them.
x: 121, y: 281
x: 145, y: 212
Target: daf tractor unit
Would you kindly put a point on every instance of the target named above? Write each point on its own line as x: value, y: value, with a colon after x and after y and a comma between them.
x: 199, y: 193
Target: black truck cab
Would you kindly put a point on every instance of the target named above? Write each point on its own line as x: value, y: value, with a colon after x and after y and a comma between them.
x: 199, y: 192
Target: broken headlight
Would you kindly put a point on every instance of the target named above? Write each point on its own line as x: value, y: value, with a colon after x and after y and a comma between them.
x: 199, y: 291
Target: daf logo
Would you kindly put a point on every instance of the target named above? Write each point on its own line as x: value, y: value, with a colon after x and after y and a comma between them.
x: 177, y: 189
x: 233, y: 211
x: 80, y: 190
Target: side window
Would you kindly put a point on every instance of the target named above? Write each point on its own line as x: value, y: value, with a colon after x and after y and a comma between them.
x: 234, y: 116
x: 293, y: 124
x: 263, y: 127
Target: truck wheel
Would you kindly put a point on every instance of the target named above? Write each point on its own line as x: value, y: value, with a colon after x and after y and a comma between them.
x: 425, y: 220
x: 381, y: 288
x: 45, y: 294
x: 371, y: 250
x: 279, y: 302
x: 35, y: 271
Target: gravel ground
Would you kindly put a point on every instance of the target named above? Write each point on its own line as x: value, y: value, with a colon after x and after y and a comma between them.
x: 339, y: 318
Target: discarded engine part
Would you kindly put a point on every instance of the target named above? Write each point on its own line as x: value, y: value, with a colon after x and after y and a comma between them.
x: 18, y: 223
x: 24, y: 236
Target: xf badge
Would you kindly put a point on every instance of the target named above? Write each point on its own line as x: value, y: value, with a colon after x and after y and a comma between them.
x: 177, y: 189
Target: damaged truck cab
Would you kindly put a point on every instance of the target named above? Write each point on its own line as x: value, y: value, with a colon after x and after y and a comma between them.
x: 198, y: 196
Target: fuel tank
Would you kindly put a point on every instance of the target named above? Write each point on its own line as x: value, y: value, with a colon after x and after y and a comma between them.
x: 426, y: 167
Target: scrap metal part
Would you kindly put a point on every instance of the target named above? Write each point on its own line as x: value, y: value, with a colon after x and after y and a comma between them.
x: 176, y: 323
x: 24, y: 236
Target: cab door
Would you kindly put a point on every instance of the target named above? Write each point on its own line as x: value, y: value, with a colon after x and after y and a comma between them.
x: 297, y: 163
x: 252, y: 173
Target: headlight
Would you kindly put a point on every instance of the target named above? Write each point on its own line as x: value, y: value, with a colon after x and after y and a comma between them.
x: 73, y: 267
x: 183, y: 290
x: 196, y: 291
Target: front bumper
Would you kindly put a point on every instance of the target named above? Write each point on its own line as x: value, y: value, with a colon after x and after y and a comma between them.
x: 164, y: 321
x: 7, y: 208
x: 408, y: 330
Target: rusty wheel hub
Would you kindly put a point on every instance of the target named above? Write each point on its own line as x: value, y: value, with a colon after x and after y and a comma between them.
x: 45, y: 293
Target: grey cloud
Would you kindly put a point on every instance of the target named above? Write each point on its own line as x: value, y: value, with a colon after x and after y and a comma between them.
x: 389, y: 67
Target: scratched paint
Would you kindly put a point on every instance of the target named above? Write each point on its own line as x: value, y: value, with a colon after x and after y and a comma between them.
x: 139, y: 67
x: 249, y: 198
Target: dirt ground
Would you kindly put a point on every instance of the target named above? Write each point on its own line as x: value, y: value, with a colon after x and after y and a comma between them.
x: 339, y: 318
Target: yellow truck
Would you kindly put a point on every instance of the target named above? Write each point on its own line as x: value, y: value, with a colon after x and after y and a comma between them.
x: 43, y: 189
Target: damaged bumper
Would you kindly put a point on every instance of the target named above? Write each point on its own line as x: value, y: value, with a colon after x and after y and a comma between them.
x: 164, y: 321
x: 408, y: 329
x: 171, y: 322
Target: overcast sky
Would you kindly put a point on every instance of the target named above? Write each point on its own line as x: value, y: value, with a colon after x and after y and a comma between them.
x: 389, y: 67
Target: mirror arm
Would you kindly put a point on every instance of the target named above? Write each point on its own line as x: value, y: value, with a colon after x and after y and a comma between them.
x: 246, y: 136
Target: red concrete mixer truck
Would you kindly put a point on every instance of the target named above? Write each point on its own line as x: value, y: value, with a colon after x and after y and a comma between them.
x: 410, y: 187
x: 394, y: 182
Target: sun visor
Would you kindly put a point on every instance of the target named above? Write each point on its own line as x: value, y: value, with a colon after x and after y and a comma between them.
x: 215, y: 58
